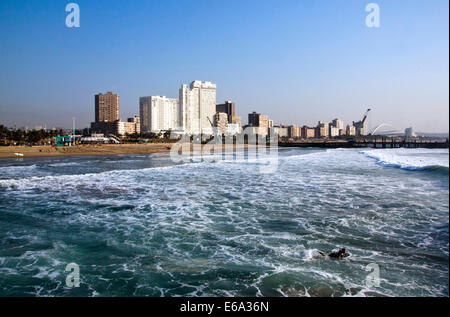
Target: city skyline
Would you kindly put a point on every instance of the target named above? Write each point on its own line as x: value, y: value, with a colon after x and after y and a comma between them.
x: 283, y: 70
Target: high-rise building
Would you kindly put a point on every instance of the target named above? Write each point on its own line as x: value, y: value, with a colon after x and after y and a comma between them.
x: 322, y: 130
x: 258, y: 120
x: 197, y: 106
x: 351, y: 130
x: 409, y: 133
x: 334, y: 132
x: 228, y: 107
x: 294, y: 132
x: 159, y: 113
x: 361, y: 127
x: 106, y: 107
x: 339, y: 124
x: 308, y: 133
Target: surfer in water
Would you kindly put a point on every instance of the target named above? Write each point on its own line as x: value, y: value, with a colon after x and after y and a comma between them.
x: 342, y: 253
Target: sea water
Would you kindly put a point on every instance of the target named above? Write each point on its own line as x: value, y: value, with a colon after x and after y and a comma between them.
x: 140, y: 225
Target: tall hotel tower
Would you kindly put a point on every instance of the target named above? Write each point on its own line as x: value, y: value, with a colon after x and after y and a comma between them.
x: 197, y: 105
x: 107, y: 107
x: 159, y: 113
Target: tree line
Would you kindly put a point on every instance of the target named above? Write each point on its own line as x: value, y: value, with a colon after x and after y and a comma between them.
x: 8, y: 136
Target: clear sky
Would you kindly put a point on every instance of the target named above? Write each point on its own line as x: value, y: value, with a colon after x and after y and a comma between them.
x: 299, y: 61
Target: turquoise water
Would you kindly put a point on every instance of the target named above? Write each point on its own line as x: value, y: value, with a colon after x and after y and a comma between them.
x: 139, y: 225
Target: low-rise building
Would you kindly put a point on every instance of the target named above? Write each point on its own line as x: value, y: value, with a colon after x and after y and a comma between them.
x: 281, y: 131
x: 221, y: 122
x: 117, y: 127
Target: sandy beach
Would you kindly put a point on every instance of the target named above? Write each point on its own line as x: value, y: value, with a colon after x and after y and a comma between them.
x: 98, y: 149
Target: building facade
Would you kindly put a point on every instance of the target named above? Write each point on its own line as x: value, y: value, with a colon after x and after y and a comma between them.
x: 159, y: 113
x: 107, y: 107
x: 281, y: 131
x: 258, y: 120
x: 227, y: 107
x: 294, y: 132
x: 339, y: 124
x: 308, y: 132
x: 334, y: 132
x: 197, y: 107
x: 221, y: 123
x: 322, y: 130
x: 351, y: 130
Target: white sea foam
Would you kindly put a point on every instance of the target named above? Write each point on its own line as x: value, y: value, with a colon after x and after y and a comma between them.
x: 411, y: 159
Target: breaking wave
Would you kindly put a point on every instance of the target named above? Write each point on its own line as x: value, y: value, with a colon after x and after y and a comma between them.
x: 411, y: 159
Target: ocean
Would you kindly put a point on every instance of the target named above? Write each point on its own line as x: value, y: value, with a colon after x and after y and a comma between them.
x: 141, y: 225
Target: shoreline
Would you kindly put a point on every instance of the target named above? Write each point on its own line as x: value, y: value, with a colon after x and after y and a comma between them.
x: 8, y: 152
x: 83, y: 150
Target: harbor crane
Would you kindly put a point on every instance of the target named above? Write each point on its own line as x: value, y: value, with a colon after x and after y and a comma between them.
x: 360, y: 125
x: 365, y: 115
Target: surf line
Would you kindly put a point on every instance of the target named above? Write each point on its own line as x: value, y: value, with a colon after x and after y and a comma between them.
x: 191, y: 307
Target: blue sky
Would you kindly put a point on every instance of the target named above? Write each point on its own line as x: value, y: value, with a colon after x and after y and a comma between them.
x: 299, y: 61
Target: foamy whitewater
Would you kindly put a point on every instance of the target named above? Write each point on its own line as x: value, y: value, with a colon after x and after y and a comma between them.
x: 140, y: 225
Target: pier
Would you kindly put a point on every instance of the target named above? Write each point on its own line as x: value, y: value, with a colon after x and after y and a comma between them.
x: 378, y: 143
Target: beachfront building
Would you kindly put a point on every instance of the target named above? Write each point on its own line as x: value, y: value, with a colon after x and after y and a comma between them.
x: 197, y: 107
x: 126, y: 127
x: 339, y: 124
x: 228, y: 107
x: 256, y: 131
x: 258, y: 120
x: 351, y: 130
x: 322, y: 130
x: 159, y: 113
x: 361, y: 127
x: 106, y: 107
x: 221, y: 123
x: 281, y: 131
x: 334, y: 132
x: 409, y: 133
x: 294, y: 132
x: 308, y: 132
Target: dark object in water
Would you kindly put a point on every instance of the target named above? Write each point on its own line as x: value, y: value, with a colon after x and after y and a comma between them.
x: 342, y: 253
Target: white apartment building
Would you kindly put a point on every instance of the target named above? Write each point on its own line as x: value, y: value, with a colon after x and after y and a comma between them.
x: 338, y: 124
x: 351, y: 130
x: 197, y: 104
x: 334, y: 132
x: 159, y: 113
